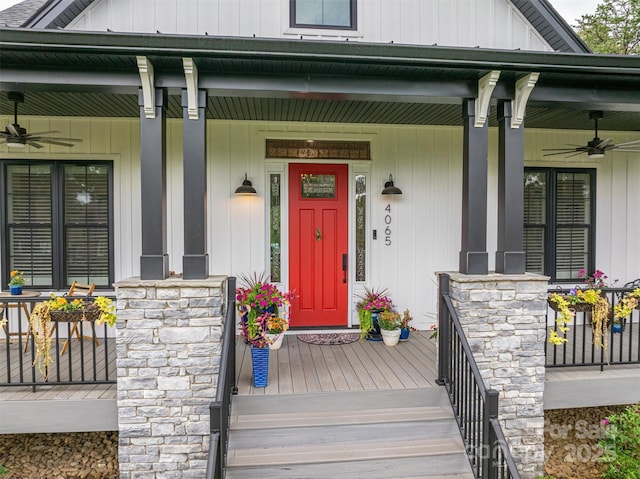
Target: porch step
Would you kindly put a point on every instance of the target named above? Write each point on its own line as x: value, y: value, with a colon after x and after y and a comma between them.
x: 372, y: 416
x: 372, y: 434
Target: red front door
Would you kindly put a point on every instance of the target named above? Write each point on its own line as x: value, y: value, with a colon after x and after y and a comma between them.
x: 318, y: 240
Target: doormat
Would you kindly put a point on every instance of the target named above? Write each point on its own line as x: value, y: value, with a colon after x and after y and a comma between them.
x: 329, y: 338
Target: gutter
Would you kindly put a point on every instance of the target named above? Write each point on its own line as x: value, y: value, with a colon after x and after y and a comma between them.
x: 40, y: 41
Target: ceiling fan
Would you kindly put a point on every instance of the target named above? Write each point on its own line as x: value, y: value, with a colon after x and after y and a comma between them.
x: 17, y: 137
x: 595, y: 148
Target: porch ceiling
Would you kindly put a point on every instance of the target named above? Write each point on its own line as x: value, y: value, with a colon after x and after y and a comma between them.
x: 93, y: 74
x: 38, y: 103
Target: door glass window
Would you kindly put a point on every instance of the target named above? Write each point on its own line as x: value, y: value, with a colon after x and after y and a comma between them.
x: 361, y: 227
x: 274, y: 226
x: 318, y: 186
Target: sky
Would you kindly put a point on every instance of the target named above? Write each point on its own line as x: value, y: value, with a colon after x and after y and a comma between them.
x: 574, y: 9
x: 569, y: 9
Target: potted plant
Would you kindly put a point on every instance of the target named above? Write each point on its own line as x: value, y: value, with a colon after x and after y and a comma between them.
x: 405, y: 327
x: 258, y: 303
x: 276, y: 326
x: 16, y: 282
x: 46, y: 314
x: 390, y: 323
x: 372, y: 302
x: 623, y: 309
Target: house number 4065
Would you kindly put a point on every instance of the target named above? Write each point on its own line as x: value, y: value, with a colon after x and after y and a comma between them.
x: 387, y: 228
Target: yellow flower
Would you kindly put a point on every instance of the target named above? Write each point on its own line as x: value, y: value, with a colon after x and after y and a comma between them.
x: 16, y: 278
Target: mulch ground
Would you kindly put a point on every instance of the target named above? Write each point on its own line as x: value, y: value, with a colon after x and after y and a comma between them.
x: 571, y: 442
x: 86, y: 455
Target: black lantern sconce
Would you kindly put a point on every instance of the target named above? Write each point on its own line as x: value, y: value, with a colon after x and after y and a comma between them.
x: 246, y: 189
x: 390, y: 189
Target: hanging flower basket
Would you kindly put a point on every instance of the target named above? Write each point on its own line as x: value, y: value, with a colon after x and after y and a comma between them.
x: 74, y: 316
x: 578, y: 307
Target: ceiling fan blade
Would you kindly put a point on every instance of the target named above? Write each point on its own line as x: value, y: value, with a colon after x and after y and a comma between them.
x: 52, y: 141
x: 45, y: 139
x: 624, y: 150
x: 13, y: 130
x: 559, y: 149
x: 40, y: 133
x: 576, y: 154
x: 4, y: 134
x: 34, y: 144
x: 566, y: 152
x: 606, y: 143
x: 628, y: 143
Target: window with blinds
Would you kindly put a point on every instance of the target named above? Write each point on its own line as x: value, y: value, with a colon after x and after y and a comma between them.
x: 58, y: 223
x: 559, y: 209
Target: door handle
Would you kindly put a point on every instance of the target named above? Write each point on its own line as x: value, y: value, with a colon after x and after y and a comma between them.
x: 318, y: 234
x: 344, y: 267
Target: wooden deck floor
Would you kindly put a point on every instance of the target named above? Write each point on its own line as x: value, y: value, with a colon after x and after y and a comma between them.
x: 63, y: 368
x: 299, y: 367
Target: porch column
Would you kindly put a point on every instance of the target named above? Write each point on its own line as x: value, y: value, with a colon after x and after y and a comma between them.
x: 154, y: 262
x: 510, y: 257
x: 168, y: 350
x: 474, y: 258
x: 504, y: 319
x: 195, y: 262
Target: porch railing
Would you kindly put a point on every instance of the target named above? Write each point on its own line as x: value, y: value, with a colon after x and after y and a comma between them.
x: 623, y: 347
x: 475, y: 407
x: 220, y: 409
x: 81, y: 359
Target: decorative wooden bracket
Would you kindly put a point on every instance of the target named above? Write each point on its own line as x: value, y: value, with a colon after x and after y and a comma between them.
x: 486, y: 84
x: 148, y: 89
x: 524, y: 85
x: 191, y: 76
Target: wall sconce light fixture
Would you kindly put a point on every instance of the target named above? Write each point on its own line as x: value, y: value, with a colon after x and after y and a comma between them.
x: 390, y: 189
x: 246, y: 189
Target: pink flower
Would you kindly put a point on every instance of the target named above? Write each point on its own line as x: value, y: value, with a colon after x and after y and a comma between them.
x: 604, y: 422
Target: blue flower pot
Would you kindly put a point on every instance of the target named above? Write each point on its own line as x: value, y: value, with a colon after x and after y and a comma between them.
x: 375, y: 334
x: 617, y: 327
x: 15, y: 289
x: 260, y: 363
x: 404, y: 334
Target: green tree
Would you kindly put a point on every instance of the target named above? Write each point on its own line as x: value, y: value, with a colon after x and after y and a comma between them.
x: 613, y: 28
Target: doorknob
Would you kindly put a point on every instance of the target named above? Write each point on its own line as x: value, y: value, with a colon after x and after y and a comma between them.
x: 318, y: 234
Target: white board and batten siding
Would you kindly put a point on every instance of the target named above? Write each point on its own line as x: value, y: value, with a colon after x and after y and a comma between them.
x: 463, y: 23
x: 426, y: 163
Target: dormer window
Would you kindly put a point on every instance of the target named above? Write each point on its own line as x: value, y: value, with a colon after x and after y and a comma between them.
x: 330, y: 14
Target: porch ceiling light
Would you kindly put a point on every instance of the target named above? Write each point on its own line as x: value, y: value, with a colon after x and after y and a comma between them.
x: 246, y: 189
x: 390, y: 189
x: 16, y: 142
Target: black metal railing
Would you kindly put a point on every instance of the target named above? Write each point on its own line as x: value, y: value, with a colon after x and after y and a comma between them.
x: 220, y: 409
x: 85, y: 355
x: 622, y: 342
x: 475, y: 407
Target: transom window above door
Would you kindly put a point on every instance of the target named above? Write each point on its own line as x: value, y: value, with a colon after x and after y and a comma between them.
x: 331, y: 14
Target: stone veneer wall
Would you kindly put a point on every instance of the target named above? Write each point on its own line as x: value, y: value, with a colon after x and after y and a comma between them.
x: 504, y: 317
x: 168, y: 346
